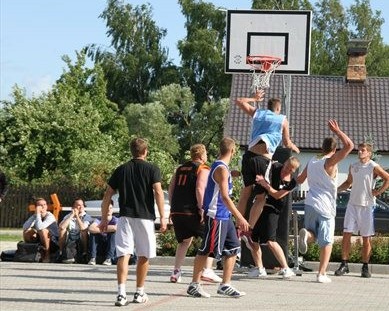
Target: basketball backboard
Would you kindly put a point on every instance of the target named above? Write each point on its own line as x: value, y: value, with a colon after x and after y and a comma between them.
x: 284, y: 34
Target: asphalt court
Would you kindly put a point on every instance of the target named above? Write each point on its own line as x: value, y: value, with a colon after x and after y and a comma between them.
x: 37, y: 286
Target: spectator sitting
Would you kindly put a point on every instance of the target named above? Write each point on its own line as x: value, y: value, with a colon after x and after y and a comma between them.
x: 103, y: 240
x: 42, y: 228
x: 73, y: 233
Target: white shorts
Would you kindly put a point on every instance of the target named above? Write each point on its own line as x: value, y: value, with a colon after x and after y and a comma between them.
x: 135, y: 233
x: 359, y: 219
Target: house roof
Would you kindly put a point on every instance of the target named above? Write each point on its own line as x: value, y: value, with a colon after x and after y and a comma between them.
x: 361, y: 109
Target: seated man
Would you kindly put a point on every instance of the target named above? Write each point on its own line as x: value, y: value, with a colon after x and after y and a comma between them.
x: 103, y: 240
x: 42, y: 227
x: 73, y: 229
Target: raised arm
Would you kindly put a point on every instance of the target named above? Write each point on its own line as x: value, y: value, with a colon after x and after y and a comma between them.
x: 341, y: 153
x: 245, y: 103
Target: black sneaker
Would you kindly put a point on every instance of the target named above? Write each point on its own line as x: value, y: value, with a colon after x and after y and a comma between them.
x: 365, y: 272
x: 343, y: 269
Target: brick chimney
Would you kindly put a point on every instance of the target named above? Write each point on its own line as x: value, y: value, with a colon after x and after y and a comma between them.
x: 356, y: 67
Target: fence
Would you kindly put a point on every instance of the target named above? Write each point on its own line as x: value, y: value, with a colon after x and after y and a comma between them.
x: 13, y: 210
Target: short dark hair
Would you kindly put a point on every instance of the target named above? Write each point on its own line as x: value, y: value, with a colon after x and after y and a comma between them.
x: 273, y: 103
x: 138, y: 147
x: 226, y: 145
x: 329, y: 145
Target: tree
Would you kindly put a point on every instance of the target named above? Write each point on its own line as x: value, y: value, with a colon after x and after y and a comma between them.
x: 202, y: 52
x: 191, y: 124
x: 136, y: 63
x: 367, y: 25
x: 72, y: 133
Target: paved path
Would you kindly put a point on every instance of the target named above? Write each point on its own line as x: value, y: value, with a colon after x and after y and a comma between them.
x: 39, y: 287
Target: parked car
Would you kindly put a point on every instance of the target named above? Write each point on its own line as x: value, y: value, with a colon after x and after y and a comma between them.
x: 93, y: 208
x: 381, y: 213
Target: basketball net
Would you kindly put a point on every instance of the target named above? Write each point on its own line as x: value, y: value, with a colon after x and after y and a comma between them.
x: 263, y: 67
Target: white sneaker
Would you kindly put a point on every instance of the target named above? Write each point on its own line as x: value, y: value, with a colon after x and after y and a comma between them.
x: 92, y: 261
x: 303, y: 240
x: 256, y: 272
x: 287, y: 273
x: 120, y: 301
x: 107, y: 262
x: 175, y: 277
x: 323, y: 278
x: 209, y: 275
x: 195, y: 290
x: 140, y: 298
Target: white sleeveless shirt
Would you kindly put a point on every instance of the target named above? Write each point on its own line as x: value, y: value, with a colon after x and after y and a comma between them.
x: 363, y: 183
x: 322, y: 188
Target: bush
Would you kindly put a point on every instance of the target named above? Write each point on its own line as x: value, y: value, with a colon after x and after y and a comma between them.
x: 167, y: 244
x: 379, y: 255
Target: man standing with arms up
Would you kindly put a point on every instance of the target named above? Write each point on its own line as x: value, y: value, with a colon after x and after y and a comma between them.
x: 320, y: 203
x: 137, y: 181
x: 359, y: 213
x: 220, y: 237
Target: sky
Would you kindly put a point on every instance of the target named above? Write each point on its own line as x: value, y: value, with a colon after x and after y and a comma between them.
x: 35, y: 34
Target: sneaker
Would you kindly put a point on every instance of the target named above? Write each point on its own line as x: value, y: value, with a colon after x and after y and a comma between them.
x: 92, y: 261
x: 121, y: 301
x: 229, y: 291
x: 209, y: 275
x: 69, y: 260
x: 138, y: 298
x: 176, y: 276
x: 256, y: 272
x: 303, y: 240
x: 365, y: 272
x: 107, y: 262
x: 287, y: 273
x: 323, y: 278
x: 343, y: 269
x: 245, y: 236
x: 195, y: 290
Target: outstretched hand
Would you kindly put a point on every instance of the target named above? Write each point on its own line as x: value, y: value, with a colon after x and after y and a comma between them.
x: 333, y: 125
x: 259, y: 95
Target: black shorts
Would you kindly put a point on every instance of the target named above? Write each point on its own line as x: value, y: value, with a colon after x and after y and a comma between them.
x: 266, y: 227
x: 187, y: 226
x: 254, y: 164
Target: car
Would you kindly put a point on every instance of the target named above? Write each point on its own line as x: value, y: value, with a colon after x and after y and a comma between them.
x: 381, y: 213
x: 93, y: 208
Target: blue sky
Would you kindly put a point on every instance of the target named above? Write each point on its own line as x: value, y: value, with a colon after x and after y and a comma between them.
x: 35, y: 34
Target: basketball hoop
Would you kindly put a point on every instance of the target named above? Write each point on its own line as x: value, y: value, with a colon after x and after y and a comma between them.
x: 263, y: 67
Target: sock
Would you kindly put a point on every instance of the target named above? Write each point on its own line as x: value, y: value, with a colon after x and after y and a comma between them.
x: 345, y: 262
x: 365, y: 264
x: 122, y: 289
x: 140, y: 290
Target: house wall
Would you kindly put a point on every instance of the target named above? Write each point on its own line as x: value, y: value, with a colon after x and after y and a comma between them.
x: 343, y: 166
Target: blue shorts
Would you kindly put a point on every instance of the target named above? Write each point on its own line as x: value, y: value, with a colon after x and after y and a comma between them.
x: 323, y: 228
x: 219, y: 239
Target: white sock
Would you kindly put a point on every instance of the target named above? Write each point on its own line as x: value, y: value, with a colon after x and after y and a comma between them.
x: 140, y: 290
x: 122, y: 289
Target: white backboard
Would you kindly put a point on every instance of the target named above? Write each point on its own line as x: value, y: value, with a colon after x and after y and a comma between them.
x: 284, y: 34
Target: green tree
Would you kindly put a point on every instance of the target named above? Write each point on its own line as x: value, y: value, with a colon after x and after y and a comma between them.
x: 135, y: 64
x: 72, y: 133
x: 366, y: 24
x: 281, y: 5
x: 202, y: 54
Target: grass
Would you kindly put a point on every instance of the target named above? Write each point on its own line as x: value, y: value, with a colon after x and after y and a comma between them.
x: 5, y: 237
